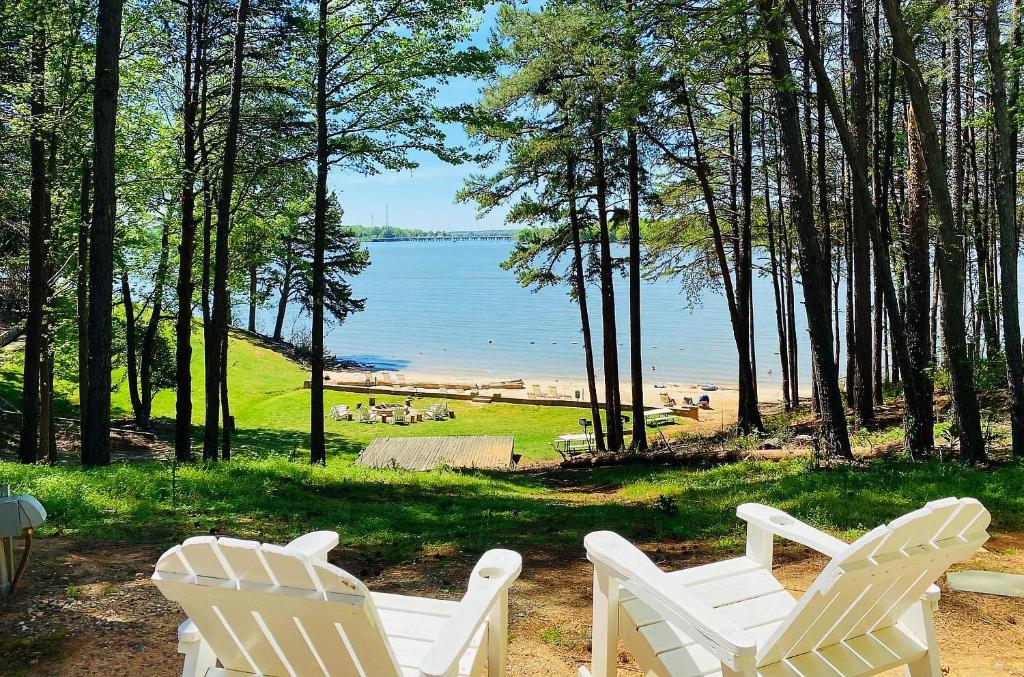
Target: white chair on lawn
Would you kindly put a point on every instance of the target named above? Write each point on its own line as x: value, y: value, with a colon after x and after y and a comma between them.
x: 278, y: 611
x: 868, y: 611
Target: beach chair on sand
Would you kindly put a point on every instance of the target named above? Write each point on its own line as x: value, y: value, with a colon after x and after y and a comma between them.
x: 666, y: 400
x: 553, y: 391
x: 869, y: 610
x: 535, y: 390
x: 271, y: 610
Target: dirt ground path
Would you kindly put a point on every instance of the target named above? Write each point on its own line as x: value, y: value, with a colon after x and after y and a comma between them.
x: 87, y: 608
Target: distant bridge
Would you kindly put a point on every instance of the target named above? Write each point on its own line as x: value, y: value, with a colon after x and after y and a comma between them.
x: 444, y: 238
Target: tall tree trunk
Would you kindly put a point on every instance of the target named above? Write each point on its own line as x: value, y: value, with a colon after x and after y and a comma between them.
x: 877, y: 322
x: 317, y: 445
x: 29, y: 443
x: 149, y: 338
x: 951, y: 254
x: 746, y: 419
x: 1009, y: 244
x: 228, y: 427
x: 863, y: 402
x: 221, y: 301
x: 835, y: 438
x: 913, y: 386
x: 251, y: 326
x: 780, y: 320
x: 787, y: 243
x: 282, y: 302
x: 82, y: 293
x: 47, y: 429
x: 579, y: 278
x: 823, y: 196
x: 131, y: 348
x: 918, y: 270
x: 613, y: 413
x: 96, y: 442
x: 749, y: 414
x: 207, y: 265
x: 186, y: 248
x: 636, y: 369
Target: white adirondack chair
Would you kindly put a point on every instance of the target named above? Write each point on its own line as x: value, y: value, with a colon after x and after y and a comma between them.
x: 285, y: 611
x: 868, y: 611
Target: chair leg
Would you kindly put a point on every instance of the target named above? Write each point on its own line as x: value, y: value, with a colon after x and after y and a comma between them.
x: 605, y: 632
x: 920, y: 620
x: 199, y: 658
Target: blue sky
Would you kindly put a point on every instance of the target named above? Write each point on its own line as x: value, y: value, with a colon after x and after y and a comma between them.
x: 424, y: 197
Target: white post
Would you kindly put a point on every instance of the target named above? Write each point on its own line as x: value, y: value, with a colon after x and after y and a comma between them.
x: 760, y: 543
x: 605, y: 632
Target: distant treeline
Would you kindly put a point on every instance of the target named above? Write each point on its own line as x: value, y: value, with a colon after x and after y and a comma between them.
x: 369, y: 233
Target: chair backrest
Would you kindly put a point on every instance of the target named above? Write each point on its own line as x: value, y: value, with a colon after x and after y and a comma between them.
x: 268, y: 610
x: 553, y: 391
x: 535, y: 389
x: 876, y: 579
x: 399, y: 416
x: 364, y: 415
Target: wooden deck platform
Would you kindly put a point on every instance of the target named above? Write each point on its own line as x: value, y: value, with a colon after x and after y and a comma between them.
x: 489, y: 452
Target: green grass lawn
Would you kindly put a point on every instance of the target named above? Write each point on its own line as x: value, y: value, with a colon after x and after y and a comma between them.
x: 271, y: 408
x: 269, y: 492
x: 395, y: 516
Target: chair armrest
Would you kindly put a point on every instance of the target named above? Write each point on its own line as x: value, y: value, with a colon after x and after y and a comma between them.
x: 315, y: 544
x: 496, y: 571
x: 730, y: 643
x: 776, y: 522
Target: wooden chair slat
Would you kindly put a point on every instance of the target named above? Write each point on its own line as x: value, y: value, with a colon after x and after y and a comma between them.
x: 203, y: 558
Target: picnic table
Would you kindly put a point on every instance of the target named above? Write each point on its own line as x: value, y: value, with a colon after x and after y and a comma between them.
x: 660, y: 416
x: 574, y: 444
x: 387, y: 411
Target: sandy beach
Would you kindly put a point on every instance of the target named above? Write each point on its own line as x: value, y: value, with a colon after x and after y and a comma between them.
x: 724, y: 400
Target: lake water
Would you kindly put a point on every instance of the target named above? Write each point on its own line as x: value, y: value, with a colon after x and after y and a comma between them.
x: 449, y: 308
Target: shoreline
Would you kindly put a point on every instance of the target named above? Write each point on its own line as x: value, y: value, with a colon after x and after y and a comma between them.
x: 723, y: 408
